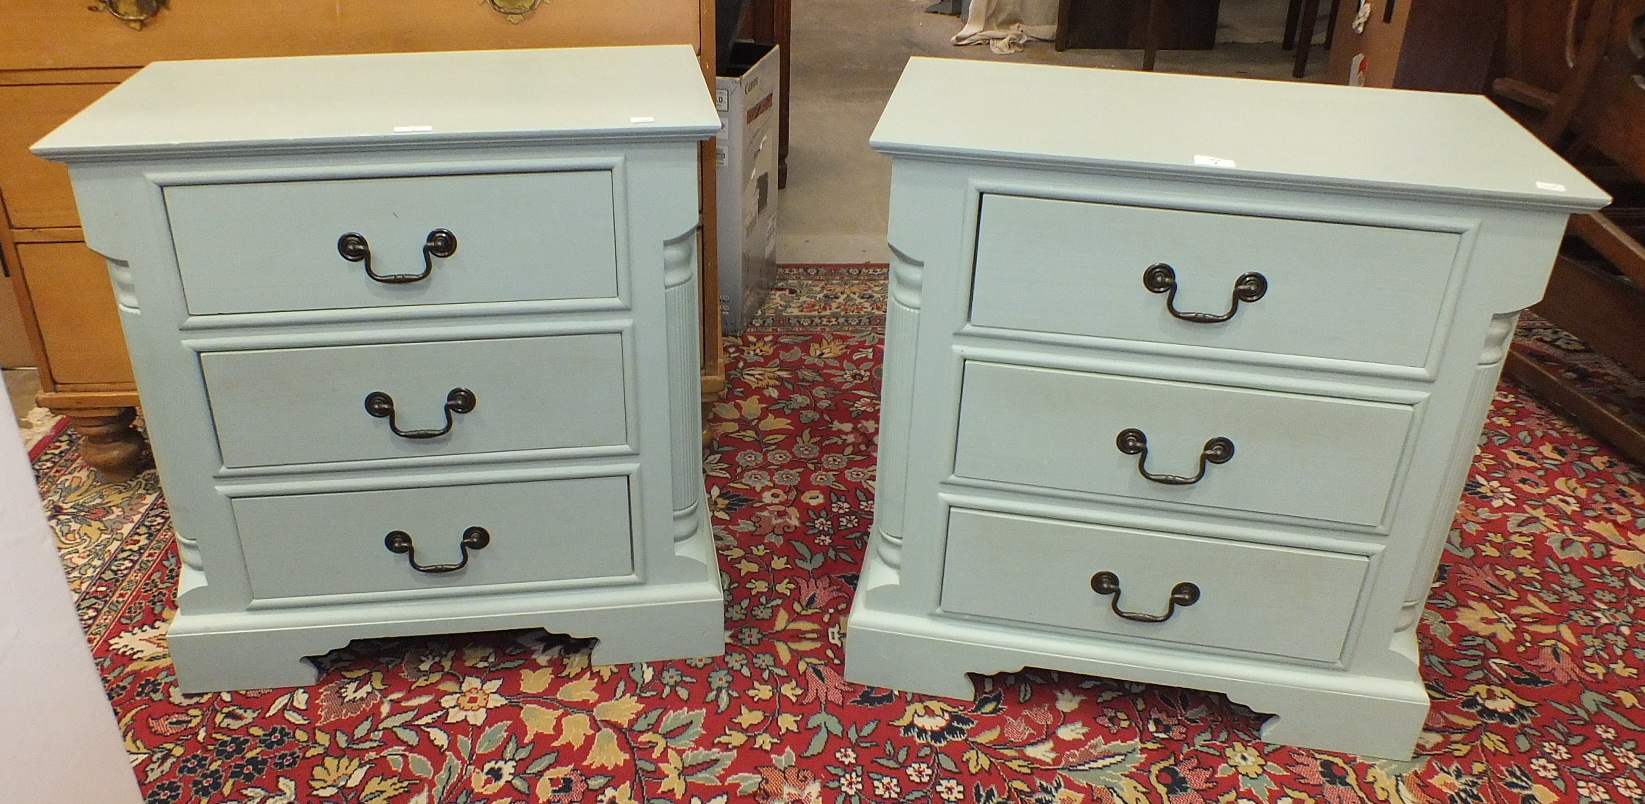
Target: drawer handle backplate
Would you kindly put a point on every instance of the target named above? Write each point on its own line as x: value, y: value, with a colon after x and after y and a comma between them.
x: 1161, y: 278
x: 399, y: 542
x: 460, y: 400
x: 135, y: 13
x: 440, y: 243
x: 1132, y: 441
x: 1107, y: 583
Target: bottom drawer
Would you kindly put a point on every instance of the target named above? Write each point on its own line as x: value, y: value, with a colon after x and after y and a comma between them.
x: 1273, y: 600
x: 326, y: 544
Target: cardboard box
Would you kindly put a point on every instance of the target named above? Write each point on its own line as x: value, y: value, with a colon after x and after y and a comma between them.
x: 747, y: 97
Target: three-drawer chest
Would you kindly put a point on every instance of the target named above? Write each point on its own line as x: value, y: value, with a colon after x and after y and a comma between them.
x: 1184, y: 377
x: 417, y: 344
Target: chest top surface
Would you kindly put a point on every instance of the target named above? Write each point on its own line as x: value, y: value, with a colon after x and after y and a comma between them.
x: 1225, y: 129
x: 392, y: 100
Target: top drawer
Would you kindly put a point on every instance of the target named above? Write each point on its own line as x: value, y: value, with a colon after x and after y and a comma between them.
x: 1361, y: 293
x: 275, y: 246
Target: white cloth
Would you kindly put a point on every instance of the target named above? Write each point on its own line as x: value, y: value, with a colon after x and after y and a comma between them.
x: 54, y: 714
x: 1007, y: 25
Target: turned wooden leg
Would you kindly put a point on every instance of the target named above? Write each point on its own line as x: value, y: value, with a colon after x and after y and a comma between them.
x: 108, y: 442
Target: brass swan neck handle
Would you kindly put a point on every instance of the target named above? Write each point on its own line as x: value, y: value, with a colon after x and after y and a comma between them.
x: 135, y: 13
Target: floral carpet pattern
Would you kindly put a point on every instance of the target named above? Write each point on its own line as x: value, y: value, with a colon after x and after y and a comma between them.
x: 1533, y: 649
x: 824, y: 298
x: 1620, y: 392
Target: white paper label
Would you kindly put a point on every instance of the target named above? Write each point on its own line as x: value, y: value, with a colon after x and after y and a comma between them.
x: 1212, y: 161
x: 1356, y: 70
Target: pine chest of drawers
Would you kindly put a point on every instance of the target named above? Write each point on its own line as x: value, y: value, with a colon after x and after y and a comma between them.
x: 1183, y: 380
x: 418, y: 345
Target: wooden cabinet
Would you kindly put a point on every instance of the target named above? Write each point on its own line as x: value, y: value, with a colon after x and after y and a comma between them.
x: 418, y: 347
x: 1184, y: 389
x: 57, y: 56
x: 57, y: 35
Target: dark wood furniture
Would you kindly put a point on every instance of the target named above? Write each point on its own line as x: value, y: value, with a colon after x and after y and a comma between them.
x: 1301, y: 19
x: 1438, y: 45
x: 770, y: 21
x: 1173, y: 25
x: 1149, y: 25
x: 1581, y: 87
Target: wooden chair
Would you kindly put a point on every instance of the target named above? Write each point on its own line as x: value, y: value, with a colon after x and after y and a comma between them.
x: 1301, y: 17
x: 1154, y: 33
x: 1153, y: 29
x: 1597, y: 118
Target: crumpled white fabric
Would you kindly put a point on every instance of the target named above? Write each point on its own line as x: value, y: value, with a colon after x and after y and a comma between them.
x: 1008, y: 25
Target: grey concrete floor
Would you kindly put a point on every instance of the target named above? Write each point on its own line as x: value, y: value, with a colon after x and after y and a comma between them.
x: 845, y: 59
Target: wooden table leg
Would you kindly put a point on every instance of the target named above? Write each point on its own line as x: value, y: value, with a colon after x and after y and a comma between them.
x: 1304, y: 37
x: 1293, y: 15
x: 1064, y: 13
x: 1154, y: 33
x: 108, y: 442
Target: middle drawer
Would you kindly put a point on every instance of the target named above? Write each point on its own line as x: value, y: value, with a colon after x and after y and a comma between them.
x: 1291, y: 454
x: 312, y: 405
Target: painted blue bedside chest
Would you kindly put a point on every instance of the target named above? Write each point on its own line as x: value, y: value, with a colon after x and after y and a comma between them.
x: 416, y: 340
x: 1183, y: 379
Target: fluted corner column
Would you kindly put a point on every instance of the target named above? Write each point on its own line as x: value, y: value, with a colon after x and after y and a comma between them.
x: 684, y: 376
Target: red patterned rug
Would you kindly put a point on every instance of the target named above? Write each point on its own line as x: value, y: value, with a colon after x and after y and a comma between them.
x: 1532, y: 645
x: 824, y: 298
